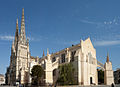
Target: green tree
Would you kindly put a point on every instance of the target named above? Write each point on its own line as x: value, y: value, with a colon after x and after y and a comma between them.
x: 66, y: 75
x: 37, y: 73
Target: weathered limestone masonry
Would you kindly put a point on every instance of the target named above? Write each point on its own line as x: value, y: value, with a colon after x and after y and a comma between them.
x: 82, y: 56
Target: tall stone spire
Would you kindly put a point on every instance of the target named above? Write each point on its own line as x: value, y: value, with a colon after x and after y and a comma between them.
x: 107, y: 58
x: 17, y: 31
x: 22, y: 31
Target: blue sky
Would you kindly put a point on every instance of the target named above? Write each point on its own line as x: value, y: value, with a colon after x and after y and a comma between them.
x: 57, y: 24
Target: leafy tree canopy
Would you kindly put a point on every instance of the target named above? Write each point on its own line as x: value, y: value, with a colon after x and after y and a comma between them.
x: 36, y: 73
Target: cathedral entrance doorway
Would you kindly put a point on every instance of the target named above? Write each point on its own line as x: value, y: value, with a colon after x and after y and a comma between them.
x: 91, y: 80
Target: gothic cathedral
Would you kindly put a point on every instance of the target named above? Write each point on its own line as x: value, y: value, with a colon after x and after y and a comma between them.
x: 82, y: 56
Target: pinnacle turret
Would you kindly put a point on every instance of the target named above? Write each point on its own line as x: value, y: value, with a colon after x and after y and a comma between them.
x: 107, y: 58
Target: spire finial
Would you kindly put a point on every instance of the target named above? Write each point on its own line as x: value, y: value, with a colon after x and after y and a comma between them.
x: 43, y: 53
x: 22, y: 11
x: 107, y: 58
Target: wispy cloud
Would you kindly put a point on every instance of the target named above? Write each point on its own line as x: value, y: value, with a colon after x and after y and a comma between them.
x: 114, y: 21
x: 89, y: 22
x: 98, y: 25
x: 6, y: 37
x: 106, y: 24
x: 11, y: 38
x: 106, y: 43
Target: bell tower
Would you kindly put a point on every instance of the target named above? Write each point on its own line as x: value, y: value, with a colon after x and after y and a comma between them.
x: 108, y: 73
x: 20, y: 55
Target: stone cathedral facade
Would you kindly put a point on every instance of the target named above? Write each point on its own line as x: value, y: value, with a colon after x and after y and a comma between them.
x: 82, y: 56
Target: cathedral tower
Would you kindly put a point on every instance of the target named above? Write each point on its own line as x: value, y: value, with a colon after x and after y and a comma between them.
x: 20, y: 56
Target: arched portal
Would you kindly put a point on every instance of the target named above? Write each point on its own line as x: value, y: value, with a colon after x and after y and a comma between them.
x: 91, y: 82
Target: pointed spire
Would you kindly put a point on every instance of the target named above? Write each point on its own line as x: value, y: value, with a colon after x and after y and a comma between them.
x: 47, y: 51
x: 43, y: 53
x: 17, y: 31
x: 107, y: 58
x: 22, y: 11
x: 22, y: 31
x: 22, y: 21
